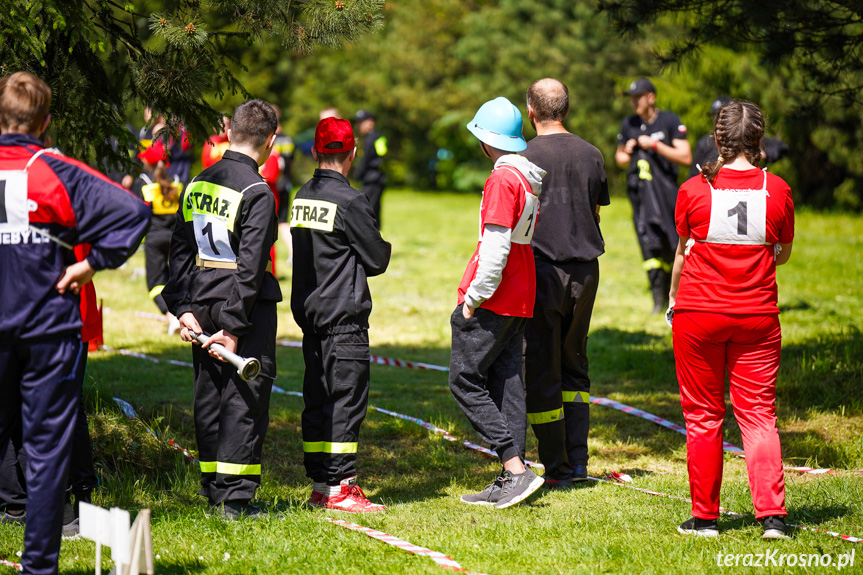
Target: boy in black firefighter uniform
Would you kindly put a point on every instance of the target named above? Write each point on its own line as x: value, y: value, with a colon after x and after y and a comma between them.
x: 336, y: 247
x: 220, y: 285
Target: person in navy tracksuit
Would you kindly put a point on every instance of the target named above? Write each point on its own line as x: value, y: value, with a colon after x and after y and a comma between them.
x: 48, y: 203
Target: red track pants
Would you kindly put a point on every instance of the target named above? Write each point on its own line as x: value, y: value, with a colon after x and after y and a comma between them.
x: 707, y: 344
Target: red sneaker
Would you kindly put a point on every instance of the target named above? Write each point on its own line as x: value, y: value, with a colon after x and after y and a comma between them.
x: 316, y: 500
x: 351, y: 499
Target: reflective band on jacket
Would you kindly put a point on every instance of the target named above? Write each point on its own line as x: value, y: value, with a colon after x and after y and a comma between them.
x: 545, y: 416
x: 327, y: 447
x: 656, y: 264
x: 576, y: 397
x: 230, y: 468
x: 156, y: 291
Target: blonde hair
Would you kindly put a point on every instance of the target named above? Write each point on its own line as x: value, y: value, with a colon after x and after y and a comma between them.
x: 24, y: 102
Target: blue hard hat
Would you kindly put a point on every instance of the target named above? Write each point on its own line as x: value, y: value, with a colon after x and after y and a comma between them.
x: 498, y: 124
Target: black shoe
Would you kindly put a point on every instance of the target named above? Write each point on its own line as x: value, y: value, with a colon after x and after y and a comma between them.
x: 487, y: 496
x: 19, y: 518
x: 557, y: 484
x: 236, y: 510
x: 700, y: 527
x: 579, y: 473
x: 775, y: 528
x: 517, y: 488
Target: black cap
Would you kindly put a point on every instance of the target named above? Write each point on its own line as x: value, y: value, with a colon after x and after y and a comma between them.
x: 717, y: 104
x: 364, y: 115
x: 639, y: 87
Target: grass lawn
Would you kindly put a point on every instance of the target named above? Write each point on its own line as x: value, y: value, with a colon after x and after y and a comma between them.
x: 595, y: 528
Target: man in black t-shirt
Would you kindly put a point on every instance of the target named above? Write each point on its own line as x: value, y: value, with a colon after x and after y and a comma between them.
x: 566, y: 244
x: 652, y: 143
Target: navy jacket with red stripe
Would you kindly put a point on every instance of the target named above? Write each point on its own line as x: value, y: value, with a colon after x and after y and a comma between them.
x: 77, y: 205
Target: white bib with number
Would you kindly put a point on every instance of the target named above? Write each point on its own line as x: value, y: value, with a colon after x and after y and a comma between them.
x: 213, y: 211
x: 14, y: 215
x: 522, y: 232
x: 738, y: 216
x: 14, y: 209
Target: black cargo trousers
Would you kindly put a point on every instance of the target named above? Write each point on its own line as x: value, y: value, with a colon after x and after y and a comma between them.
x: 556, y: 366
x: 232, y: 415
x: 336, y: 396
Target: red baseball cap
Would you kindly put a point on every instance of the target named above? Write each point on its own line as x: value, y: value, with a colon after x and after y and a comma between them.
x: 154, y: 153
x: 334, y: 136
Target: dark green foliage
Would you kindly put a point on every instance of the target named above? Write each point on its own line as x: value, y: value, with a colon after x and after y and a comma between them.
x: 816, y: 46
x: 106, y: 58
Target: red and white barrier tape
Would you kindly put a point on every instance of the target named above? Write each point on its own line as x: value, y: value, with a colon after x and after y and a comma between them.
x: 616, y: 479
x: 435, y: 556
x: 431, y: 427
x: 379, y: 359
x: 130, y: 412
x: 149, y: 358
x: 622, y: 407
x: 730, y: 448
x: 11, y: 564
x: 653, y: 418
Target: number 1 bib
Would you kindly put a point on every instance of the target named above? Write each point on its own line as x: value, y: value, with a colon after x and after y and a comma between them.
x: 213, y: 210
x: 738, y: 216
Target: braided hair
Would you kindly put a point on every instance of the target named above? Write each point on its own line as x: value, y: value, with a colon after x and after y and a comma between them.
x: 738, y: 128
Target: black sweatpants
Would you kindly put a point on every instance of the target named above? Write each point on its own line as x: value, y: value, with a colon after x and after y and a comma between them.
x: 485, y: 377
x: 232, y: 415
x: 556, y: 366
x: 157, y: 245
x: 336, y: 395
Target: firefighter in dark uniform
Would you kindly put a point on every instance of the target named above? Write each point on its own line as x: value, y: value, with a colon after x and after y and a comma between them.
x: 772, y: 149
x: 220, y: 285
x: 652, y: 144
x: 336, y: 247
x: 48, y: 204
x: 368, y: 170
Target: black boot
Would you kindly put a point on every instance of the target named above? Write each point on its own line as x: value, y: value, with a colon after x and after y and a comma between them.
x: 660, y: 284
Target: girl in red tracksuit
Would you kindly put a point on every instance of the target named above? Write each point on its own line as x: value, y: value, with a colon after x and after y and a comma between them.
x: 736, y: 224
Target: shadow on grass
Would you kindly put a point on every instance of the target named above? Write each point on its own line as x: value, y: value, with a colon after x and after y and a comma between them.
x: 799, y: 305
x: 824, y: 373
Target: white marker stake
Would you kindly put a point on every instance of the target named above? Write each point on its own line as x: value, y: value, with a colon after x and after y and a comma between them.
x: 142, y: 544
x: 120, y: 549
x: 96, y: 525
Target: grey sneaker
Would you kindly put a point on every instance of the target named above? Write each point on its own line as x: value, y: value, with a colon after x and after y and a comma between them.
x: 487, y: 496
x: 19, y: 518
x: 70, y: 521
x: 517, y: 488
